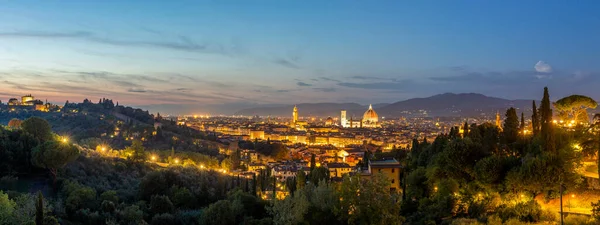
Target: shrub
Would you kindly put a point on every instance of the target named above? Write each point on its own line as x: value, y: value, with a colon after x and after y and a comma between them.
x: 160, y: 204
x: 163, y: 219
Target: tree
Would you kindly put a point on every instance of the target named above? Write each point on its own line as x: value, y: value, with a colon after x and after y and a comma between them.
x: 300, y: 179
x: 52, y: 156
x: 522, y: 127
x: 137, y: 151
x: 575, y: 107
x: 358, y: 204
x: 466, y: 129
x: 7, y: 208
x: 546, y: 122
x: 535, y: 120
x: 313, y: 162
x: 15, y: 123
x: 160, y: 204
x: 39, y: 209
x: 290, y: 184
x: 236, y: 159
x: 319, y: 174
x: 511, y: 126
x: 591, y: 143
x: 39, y: 128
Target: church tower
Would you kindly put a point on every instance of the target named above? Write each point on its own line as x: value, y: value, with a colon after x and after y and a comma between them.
x: 295, y: 115
x: 498, y: 121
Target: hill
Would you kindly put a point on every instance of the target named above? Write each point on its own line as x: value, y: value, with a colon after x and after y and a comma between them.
x: 307, y: 109
x: 450, y: 104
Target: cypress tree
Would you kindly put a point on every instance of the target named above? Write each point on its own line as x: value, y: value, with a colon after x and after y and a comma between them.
x: 546, y: 122
x: 465, y: 129
x: 274, y: 188
x: 254, y: 184
x: 39, y: 209
x: 313, y: 162
x: 522, y: 128
x: 535, y: 120
x: 511, y: 126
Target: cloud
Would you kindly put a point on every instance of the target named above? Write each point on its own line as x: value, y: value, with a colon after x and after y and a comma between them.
x: 302, y: 84
x: 286, y: 63
x: 543, y: 67
x: 283, y: 91
x: 378, y: 85
x: 372, y: 78
x: 44, y: 34
x: 329, y: 79
x: 325, y: 89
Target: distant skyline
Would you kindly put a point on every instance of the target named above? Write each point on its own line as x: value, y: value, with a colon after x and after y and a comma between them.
x: 199, y: 54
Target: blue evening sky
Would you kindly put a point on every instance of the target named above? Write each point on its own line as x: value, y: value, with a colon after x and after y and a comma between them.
x: 200, y: 54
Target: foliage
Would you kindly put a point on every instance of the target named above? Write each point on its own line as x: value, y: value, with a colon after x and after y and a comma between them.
x: 574, y: 107
x: 511, y: 126
x: 39, y: 128
x: 7, y: 207
x: 52, y: 155
x: 15, y: 123
x: 160, y: 204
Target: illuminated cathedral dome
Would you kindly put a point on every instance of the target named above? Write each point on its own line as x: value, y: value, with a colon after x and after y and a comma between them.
x: 329, y: 121
x: 370, y: 116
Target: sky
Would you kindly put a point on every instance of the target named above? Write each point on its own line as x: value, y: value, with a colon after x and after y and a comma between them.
x: 206, y: 56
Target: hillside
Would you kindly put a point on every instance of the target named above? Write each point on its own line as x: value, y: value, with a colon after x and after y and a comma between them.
x: 450, y: 104
x: 307, y: 109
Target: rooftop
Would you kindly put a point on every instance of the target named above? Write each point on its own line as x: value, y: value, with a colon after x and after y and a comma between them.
x: 385, y: 163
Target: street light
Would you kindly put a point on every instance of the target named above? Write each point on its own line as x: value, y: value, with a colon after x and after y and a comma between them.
x: 176, y: 161
x: 64, y: 140
x: 153, y: 158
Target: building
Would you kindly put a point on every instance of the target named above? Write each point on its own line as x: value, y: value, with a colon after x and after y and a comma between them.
x: 338, y: 169
x: 13, y: 101
x: 390, y: 168
x: 498, y: 121
x: 343, y: 119
x: 329, y: 121
x: 370, y: 118
x: 299, y: 125
x: 27, y: 100
x: 295, y: 115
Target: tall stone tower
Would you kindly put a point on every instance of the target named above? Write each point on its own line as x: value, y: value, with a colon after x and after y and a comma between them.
x: 295, y: 115
x: 343, y: 119
x: 498, y: 121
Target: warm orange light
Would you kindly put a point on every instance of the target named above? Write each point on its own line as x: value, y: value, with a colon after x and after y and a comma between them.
x: 573, y: 196
x: 554, y: 121
x: 153, y: 158
x: 65, y: 140
x: 176, y: 161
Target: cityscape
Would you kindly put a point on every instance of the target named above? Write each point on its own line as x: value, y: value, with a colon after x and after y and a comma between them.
x: 299, y: 112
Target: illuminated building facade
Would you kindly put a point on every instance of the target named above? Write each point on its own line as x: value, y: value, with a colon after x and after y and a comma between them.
x: 27, y: 100
x: 343, y: 119
x: 390, y: 168
x: 370, y: 118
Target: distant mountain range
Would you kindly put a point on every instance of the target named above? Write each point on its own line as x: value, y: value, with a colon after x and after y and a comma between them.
x: 449, y: 104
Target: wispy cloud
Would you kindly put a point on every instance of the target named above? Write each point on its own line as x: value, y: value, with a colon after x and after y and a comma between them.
x: 302, y: 84
x: 391, y: 85
x: 325, y: 89
x: 329, y: 79
x: 137, y: 90
x: 45, y: 34
x: 286, y: 63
